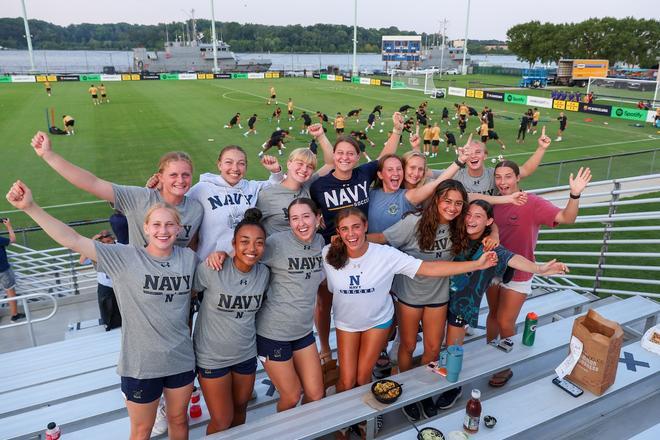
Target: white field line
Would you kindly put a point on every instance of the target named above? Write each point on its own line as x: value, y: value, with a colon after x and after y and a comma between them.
x: 65, y: 205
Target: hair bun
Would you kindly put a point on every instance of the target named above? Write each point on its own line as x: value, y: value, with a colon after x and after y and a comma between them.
x: 252, y: 215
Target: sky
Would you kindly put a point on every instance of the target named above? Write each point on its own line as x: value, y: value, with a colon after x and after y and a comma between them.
x: 489, y: 19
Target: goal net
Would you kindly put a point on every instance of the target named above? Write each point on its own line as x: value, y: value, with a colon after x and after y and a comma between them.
x: 421, y: 80
x: 624, y: 90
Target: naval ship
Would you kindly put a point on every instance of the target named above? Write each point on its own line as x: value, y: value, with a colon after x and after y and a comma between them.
x: 452, y: 59
x: 194, y: 56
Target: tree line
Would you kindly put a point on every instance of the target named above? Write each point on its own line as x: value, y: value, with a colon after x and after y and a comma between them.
x: 327, y: 38
x: 629, y: 40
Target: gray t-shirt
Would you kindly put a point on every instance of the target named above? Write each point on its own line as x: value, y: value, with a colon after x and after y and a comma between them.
x: 484, y: 184
x: 225, y: 332
x: 296, y: 271
x: 273, y: 202
x: 385, y: 209
x: 420, y: 290
x: 134, y: 202
x: 154, y: 300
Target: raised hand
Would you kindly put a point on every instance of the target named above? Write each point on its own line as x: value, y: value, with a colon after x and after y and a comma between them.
x: 487, y: 259
x: 20, y: 196
x: 580, y: 181
x: 415, y: 141
x: 41, y: 143
x: 553, y: 267
x: 316, y: 130
x: 271, y: 163
x: 397, y: 119
x: 544, y: 141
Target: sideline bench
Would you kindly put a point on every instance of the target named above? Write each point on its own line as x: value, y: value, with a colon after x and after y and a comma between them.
x: 480, y: 360
x: 539, y: 405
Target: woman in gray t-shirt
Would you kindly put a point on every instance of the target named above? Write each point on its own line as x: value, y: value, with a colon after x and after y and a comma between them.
x: 285, y: 341
x: 153, y: 285
x: 174, y: 179
x: 225, y: 334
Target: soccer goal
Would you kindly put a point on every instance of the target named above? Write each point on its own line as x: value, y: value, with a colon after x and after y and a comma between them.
x: 421, y: 80
x: 624, y: 90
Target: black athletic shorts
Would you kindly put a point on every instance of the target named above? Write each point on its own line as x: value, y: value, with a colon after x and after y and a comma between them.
x: 273, y: 96
x: 427, y: 142
x: 69, y: 123
x: 493, y: 135
x: 290, y: 112
x: 435, y: 143
x: 95, y: 96
x: 339, y: 130
x: 535, y: 123
x: 484, y: 138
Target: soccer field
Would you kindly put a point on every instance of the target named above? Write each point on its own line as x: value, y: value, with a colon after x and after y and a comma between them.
x: 122, y: 141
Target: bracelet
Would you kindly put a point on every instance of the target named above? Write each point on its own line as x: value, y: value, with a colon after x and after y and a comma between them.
x: 573, y: 196
x: 398, y: 133
x: 459, y: 163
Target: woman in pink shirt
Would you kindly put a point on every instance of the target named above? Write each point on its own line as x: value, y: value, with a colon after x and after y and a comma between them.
x: 519, y: 228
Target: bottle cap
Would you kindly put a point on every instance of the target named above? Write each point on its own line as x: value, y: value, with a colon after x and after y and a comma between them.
x: 51, y: 425
x: 476, y: 394
x: 532, y: 315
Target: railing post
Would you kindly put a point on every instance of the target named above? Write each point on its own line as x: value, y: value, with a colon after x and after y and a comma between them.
x: 607, y: 235
x: 28, y: 318
x: 652, y: 162
x: 74, y: 274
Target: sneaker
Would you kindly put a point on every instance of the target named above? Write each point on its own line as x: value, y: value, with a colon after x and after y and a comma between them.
x: 261, y: 154
x: 17, y: 317
x: 412, y: 412
x: 558, y: 139
x: 428, y: 408
x: 160, y: 425
x: 447, y: 399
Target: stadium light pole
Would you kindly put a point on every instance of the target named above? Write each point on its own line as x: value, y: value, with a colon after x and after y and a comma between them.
x: 28, y: 36
x: 355, y: 69
x: 465, y: 39
x: 214, y: 39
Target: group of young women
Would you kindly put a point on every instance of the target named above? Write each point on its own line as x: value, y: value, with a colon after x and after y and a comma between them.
x: 315, y: 243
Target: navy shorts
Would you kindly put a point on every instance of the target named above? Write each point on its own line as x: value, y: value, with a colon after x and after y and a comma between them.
x: 245, y: 367
x: 421, y: 306
x: 272, y: 350
x: 455, y: 320
x: 148, y: 390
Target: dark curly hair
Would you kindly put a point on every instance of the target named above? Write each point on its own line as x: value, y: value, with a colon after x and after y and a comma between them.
x: 429, y: 221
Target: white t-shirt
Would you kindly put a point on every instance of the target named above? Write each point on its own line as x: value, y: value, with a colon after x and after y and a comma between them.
x: 361, y: 289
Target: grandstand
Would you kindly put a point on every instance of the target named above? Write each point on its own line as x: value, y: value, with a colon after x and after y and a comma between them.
x: 73, y: 381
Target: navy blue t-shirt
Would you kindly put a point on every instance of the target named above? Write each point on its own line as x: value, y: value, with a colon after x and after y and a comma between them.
x: 332, y: 194
x: 4, y: 264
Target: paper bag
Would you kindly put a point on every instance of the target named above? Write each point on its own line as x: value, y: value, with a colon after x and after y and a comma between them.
x: 602, y: 339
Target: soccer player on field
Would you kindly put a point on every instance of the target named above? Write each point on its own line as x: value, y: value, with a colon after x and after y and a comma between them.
x: 377, y: 109
x: 289, y: 108
x: 307, y: 121
x: 462, y: 125
x: 322, y: 117
x: 355, y: 113
x: 104, y: 95
x: 339, y: 124
x: 451, y: 140
x: 277, y: 139
x: 235, y: 120
x: 48, y: 90
x: 273, y: 96
x: 427, y: 135
x: 435, y: 139
x: 95, y: 94
x: 69, y: 122
x: 404, y: 109
x: 463, y: 111
x: 562, y: 125
x: 371, y: 120
x: 277, y: 114
x: 445, y: 116
x: 251, y: 122
x: 535, y: 119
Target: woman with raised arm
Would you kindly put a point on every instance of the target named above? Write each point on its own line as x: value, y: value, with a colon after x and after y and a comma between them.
x: 360, y: 276
x: 467, y: 290
x: 174, y: 174
x: 300, y: 175
x: 153, y: 286
x: 224, y: 335
x: 519, y: 228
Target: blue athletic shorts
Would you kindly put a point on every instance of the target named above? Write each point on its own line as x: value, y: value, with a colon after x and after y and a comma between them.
x: 245, y: 367
x: 272, y: 350
x: 148, y: 390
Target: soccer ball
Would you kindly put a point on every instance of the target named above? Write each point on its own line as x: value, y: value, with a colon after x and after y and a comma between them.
x: 278, y: 128
x: 431, y: 111
x: 382, y: 123
x: 500, y: 158
x: 290, y: 128
x: 605, y: 123
x: 493, y: 160
x: 380, y: 131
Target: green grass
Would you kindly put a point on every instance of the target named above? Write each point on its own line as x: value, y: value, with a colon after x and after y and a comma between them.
x: 122, y: 141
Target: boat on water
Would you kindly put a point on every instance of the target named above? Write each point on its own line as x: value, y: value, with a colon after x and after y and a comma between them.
x: 194, y: 56
x: 433, y: 56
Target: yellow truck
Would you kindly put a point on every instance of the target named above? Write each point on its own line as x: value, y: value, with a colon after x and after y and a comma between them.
x: 577, y: 72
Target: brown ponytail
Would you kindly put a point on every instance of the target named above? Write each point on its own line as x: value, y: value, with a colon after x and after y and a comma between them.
x: 337, y: 256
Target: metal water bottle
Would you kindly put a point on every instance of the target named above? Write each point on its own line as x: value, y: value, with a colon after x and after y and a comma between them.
x: 530, y: 329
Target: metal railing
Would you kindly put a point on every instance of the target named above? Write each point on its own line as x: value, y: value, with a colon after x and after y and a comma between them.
x: 617, y: 251
x: 25, y: 301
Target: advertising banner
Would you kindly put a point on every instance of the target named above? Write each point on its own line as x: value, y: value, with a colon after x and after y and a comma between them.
x: 650, y: 116
x: 632, y: 114
x: 385, y: 82
x: 572, y: 106
x: 256, y: 75
x: 316, y: 75
x: 340, y: 78
x: 110, y: 77
x: 495, y: 96
x: 277, y: 75
x: 558, y: 104
x: 239, y: 75
x: 456, y: 91
x: 366, y: 81
x: 5, y: 79
x: 512, y: 98
x: 222, y: 75
x: 479, y: 94
x: 187, y: 76
x: 596, y: 109
x: 92, y: 77
x: 323, y: 76
x: 469, y: 93
x: 68, y: 78
x: 374, y: 82
x: 144, y: 76
x: 23, y: 78
x: 346, y: 79
x: 41, y: 78
x: 537, y: 101
x: 128, y: 77
x: 169, y: 76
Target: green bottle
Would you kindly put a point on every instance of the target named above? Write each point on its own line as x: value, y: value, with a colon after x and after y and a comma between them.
x: 530, y: 329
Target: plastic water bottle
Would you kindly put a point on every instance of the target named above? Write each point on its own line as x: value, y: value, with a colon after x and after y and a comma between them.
x: 472, y: 413
x: 53, y: 431
x: 530, y: 329
x: 195, y: 407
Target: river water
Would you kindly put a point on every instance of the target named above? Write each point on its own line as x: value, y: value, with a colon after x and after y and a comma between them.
x: 85, y: 61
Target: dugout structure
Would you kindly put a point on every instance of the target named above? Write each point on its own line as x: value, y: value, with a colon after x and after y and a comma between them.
x: 624, y: 90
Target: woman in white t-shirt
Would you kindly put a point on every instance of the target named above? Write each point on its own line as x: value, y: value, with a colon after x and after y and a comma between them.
x: 360, y: 276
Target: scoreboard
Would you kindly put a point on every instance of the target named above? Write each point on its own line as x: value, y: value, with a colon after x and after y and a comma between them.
x: 401, y: 47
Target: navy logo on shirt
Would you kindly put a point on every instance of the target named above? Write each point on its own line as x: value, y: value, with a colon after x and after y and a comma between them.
x: 355, y: 287
x: 239, y: 303
x: 354, y: 195
x: 393, y: 209
x: 166, y: 285
x: 302, y: 264
x: 230, y: 199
